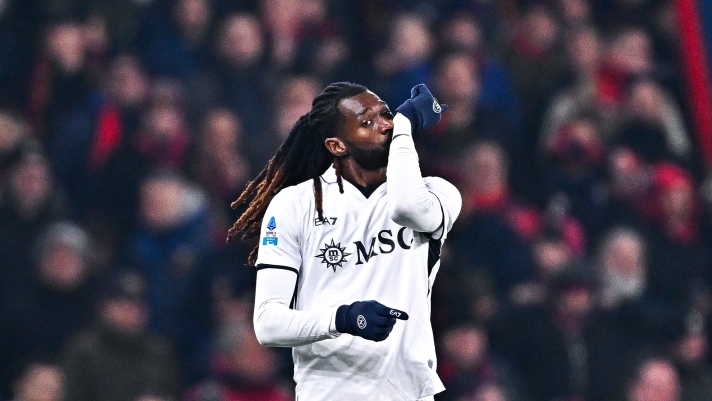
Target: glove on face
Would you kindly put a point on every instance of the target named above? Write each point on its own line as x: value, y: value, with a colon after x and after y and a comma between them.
x: 422, y: 109
x: 368, y: 319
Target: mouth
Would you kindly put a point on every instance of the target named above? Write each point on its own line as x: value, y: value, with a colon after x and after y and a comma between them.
x: 389, y: 138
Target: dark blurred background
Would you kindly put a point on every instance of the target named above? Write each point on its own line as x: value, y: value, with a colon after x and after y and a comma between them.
x: 579, y: 134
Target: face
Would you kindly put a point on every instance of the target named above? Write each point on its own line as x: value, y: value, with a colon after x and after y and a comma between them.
x: 127, y: 82
x: 658, y: 382
x: 62, y: 267
x: 42, y: 383
x: 485, y: 169
x: 467, y: 347
x: 241, y: 40
x: 625, y: 257
x: 160, y: 202
x: 367, y: 131
x: 31, y: 182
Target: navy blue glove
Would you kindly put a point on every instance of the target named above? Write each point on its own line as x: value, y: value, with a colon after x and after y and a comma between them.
x: 422, y: 109
x: 368, y: 319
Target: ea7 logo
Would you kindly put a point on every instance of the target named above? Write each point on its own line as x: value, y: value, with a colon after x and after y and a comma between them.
x: 327, y: 221
x: 395, y: 313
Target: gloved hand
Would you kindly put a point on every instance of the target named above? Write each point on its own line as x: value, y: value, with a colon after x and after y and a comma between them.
x: 368, y: 319
x: 422, y: 109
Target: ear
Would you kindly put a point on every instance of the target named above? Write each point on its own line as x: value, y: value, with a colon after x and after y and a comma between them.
x: 336, y: 146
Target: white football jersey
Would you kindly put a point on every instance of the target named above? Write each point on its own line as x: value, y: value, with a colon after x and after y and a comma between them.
x: 357, y: 253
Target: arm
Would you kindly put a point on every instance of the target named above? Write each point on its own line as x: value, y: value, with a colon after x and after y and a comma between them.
x: 410, y: 202
x: 278, y: 264
x: 276, y: 325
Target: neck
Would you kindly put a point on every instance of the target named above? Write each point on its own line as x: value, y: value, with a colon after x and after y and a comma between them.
x: 355, y: 174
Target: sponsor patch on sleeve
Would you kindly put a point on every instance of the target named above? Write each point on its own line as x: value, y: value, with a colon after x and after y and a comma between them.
x: 270, y: 240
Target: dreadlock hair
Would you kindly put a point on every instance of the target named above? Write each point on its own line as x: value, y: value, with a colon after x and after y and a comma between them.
x: 302, y: 156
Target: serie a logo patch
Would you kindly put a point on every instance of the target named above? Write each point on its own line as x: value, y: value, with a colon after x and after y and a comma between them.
x: 270, y: 237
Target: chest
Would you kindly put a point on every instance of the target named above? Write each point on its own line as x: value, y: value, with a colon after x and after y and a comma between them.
x: 355, y: 231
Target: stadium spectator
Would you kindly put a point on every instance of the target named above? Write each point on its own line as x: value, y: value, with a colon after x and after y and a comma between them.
x: 295, y: 101
x: 575, y: 169
x: 40, y: 381
x: 654, y: 379
x: 564, y: 349
x: 13, y: 132
x: 168, y: 247
x: 652, y: 125
x: 58, y: 300
x: 498, y: 226
x: 31, y: 201
x: 219, y: 164
x: 176, y: 42
x: 569, y: 129
x: 118, y: 358
x: 475, y: 114
x: 534, y: 45
x: 114, y: 167
x: 242, y: 73
x: 407, y: 57
x: 677, y: 239
x: 689, y: 353
x: 467, y: 367
x: 242, y: 369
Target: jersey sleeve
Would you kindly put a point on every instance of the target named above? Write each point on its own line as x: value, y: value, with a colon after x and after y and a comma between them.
x: 450, y: 201
x: 279, y: 244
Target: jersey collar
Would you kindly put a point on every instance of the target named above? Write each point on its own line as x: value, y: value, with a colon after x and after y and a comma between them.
x: 329, y: 175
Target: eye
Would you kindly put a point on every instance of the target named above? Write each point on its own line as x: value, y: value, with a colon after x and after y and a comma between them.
x: 388, y: 114
x: 366, y: 123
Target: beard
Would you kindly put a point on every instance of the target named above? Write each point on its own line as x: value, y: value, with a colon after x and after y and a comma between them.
x: 371, y: 159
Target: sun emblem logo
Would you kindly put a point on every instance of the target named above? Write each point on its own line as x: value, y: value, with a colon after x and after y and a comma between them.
x: 333, y: 255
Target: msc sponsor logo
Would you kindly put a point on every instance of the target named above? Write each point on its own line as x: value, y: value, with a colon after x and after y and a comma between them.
x: 385, y: 242
x: 333, y: 255
x: 386, y: 245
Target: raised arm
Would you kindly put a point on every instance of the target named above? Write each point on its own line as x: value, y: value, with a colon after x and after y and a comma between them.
x: 411, y: 203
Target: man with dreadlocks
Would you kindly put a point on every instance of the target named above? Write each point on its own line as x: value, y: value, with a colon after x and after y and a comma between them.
x: 347, y: 225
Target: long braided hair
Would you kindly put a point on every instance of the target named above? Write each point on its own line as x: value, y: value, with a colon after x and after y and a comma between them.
x: 302, y: 156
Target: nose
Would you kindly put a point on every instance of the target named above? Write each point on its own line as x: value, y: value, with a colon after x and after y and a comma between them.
x: 386, y: 125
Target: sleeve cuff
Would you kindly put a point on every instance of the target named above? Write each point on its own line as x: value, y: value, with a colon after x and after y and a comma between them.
x: 401, y: 126
x: 332, y: 325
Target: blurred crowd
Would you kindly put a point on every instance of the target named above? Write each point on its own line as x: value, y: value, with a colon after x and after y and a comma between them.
x: 580, y: 268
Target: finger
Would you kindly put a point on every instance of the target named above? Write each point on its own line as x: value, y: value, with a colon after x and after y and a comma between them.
x: 388, y: 330
x: 415, y: 91
x: 385, y: 323
x: 424, y: 90
x: 390, y: 312
x: 379, y: 321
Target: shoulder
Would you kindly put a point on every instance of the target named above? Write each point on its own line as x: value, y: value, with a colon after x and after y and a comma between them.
x: 440, y: 186
x: 292, y: 195
x: 293, y: 202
